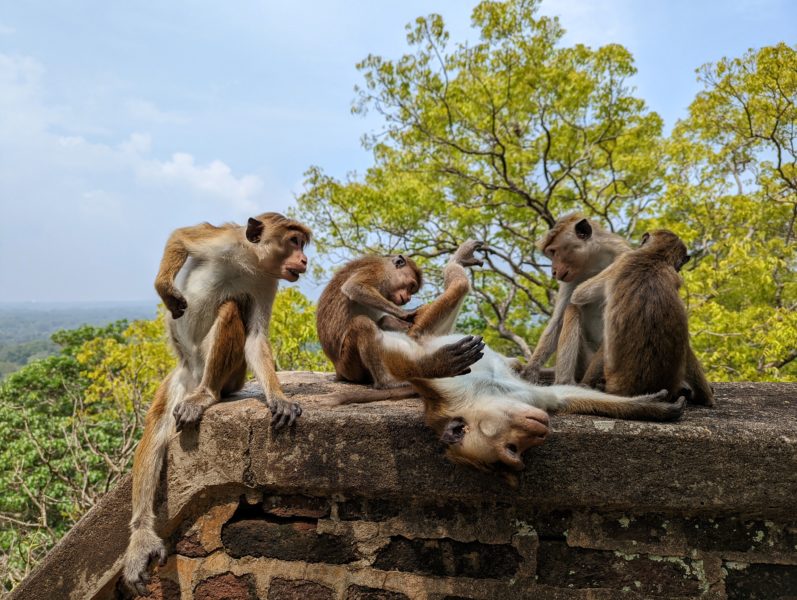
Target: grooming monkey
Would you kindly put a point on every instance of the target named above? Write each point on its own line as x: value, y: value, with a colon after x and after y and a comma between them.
x: 487, y: 415
x: 363, y: 298
x: 646, y: 333
x: 220, y: 309
x: 579, y: 249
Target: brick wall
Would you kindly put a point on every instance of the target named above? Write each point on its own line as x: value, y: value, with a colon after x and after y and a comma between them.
x: 357, y: 502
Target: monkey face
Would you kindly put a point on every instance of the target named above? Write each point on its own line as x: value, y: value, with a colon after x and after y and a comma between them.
x: 496, y: 433
x: 403, y: 280
x: 295, y: 262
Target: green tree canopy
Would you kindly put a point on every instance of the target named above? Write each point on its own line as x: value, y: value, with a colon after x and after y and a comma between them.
x: 493, y: 140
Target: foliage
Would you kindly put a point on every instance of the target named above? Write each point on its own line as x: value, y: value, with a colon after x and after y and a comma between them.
x: 492, y: 141
x: 71, y: 421
x: 293, y: 334
x: 732, y: 193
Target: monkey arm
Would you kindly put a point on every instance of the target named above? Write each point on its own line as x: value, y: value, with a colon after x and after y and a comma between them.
x: 550, y: 336
x: 358, y: 290
x: 261, y: 360
x: 438, y: 317
x: 593, y: 289
x: 702, y: 392
x: 391, y: 323
x: 182, y: 243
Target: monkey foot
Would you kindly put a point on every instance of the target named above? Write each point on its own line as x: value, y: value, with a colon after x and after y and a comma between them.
x: 145, y: 547
x: 455, y: 359
x: 660, y: 408
x: 189, y: 412
x: 464, y: 254
x: 283, y: 412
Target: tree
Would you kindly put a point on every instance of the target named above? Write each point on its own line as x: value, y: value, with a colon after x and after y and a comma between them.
x: 732, y: 193
x: 493, y: 141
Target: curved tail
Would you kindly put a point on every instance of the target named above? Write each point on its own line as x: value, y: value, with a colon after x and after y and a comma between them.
x: 145, y: 545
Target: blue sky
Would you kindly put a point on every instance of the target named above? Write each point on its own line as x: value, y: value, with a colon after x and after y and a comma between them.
x: 122, y: 121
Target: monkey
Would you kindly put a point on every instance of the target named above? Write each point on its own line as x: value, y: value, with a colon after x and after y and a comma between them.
x: 363, y: 298
x: 486, y: 415
x: 578, y: 249
x: 217, y: 322
x: 646, y: 333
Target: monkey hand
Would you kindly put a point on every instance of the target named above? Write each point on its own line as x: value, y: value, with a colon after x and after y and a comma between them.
x: 391, y: 323
x: 464, y: 254
x: 175, y: 302
x: 531, y: 373
x: 145, y: 547
x: 453, y: 359
x: 283, y: 411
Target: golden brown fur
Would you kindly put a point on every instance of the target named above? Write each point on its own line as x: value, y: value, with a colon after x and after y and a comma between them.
x: 578, y: 249
x: 361, y: 300
x: 219, y: 285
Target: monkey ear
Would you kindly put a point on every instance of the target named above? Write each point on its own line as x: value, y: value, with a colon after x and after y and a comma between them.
x: 399, y: 261
x: 583, y: 229
x: 454, y: 431
x: 645, y: 238
x: 254, y: 229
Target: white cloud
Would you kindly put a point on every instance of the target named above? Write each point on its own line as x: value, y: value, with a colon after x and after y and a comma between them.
x: 146, y: 111
x: 215, y: 179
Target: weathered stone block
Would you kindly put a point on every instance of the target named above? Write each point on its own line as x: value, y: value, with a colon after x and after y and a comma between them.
x: 296, y: 540
x: 358, y: 592
x: 226, y: 587
x: 296, y: 506
x: 559, y: 565
x: 298, y: 589
x: 449, y: 558
x: 760, y: 582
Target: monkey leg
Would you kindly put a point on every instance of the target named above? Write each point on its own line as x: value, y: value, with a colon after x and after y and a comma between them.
x: 570, y: 351
x: 439, y: 316
x: 702, y: 391
x: 408, y: 360
x: 594, y: 376
x: 646, y: 407
x: 145, y: 546
x: 360, y: 359
x: 223, y: 362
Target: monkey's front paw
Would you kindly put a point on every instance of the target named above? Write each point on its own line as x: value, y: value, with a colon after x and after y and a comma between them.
x: 176, y: 303
x: 188, y: 414
x: 455, y: 359
x: 531, y: 373
x: 145, y: 547
x: 464, y: 254
x: 283, y: 412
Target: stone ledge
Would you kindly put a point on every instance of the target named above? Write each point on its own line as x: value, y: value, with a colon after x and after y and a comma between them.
x: 739, y: 459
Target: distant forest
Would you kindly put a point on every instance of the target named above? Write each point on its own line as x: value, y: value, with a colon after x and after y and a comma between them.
x: 25, y: 328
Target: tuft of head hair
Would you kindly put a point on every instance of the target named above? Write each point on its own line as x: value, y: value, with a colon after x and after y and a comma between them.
x: 278, y: 222
x: 668, y: 245
x: 562, y: 224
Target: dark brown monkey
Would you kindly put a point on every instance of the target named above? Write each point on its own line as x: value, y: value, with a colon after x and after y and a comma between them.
x: 220, y: 309
x: 363, y: 298
x: 646, y: 333
x: 579, y: 249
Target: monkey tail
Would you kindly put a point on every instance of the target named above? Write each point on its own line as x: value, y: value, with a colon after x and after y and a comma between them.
x: 362, y: 395
x: 145, y: 544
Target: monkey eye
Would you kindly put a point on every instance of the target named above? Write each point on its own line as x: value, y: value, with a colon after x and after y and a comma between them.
x: 399, y: 261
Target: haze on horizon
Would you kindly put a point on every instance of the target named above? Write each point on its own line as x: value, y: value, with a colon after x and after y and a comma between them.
x: 121, y: 122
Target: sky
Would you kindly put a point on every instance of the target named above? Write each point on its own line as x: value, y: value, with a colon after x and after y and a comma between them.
x: 120, y: 122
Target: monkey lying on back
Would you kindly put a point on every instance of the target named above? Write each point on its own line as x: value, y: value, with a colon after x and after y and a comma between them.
x: 646, y: 334
x: 483, y: 411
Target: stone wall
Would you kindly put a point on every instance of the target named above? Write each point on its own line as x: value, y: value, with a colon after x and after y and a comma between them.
x: 358, y: 503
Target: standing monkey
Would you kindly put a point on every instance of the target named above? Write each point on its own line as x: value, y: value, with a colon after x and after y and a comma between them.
x: 363, y: 298
x: 220, y: 309
x: 646, y: 332
x: 578, y: 249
